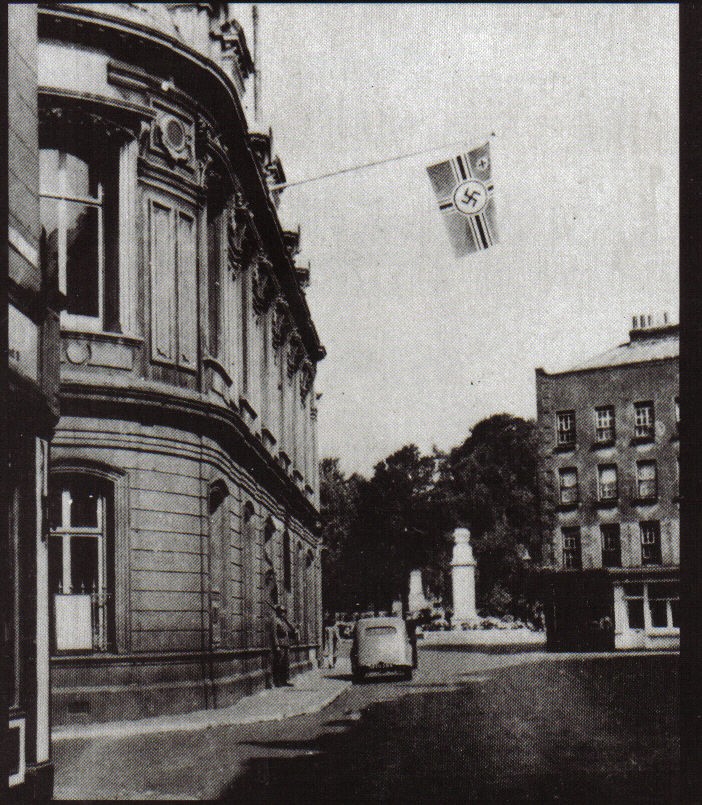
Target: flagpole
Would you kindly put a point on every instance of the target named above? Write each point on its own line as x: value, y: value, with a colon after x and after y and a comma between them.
x: 284, y: 185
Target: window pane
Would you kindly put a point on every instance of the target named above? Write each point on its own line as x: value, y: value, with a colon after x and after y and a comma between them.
x: 82, y: 261
x: 84, y: 566
x: 55, y: 507
x: 48, y: 170
x: 633, y: 589
x: 636, y: 614
x: 80, y: 179
x: 659, y: 613
x: 84, y: 506
x: 675, y: 611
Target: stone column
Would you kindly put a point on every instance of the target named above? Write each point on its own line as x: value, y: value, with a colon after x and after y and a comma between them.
x: 463, y: 579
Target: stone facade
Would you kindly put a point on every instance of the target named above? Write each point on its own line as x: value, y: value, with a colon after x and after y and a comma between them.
x: 184, y: 488
x: 609, y: 478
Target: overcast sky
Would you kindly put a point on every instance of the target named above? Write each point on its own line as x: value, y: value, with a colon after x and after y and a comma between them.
x: 583, y: 102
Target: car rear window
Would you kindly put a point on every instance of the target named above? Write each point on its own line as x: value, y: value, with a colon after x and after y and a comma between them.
x: 379, y: 630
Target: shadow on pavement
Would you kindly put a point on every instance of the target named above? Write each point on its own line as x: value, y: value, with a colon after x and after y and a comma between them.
x: 537, y: 733
x: 485, y: 648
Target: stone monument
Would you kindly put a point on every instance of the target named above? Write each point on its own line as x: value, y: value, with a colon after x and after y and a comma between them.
x: 463, y: 580
x: 416, y: 600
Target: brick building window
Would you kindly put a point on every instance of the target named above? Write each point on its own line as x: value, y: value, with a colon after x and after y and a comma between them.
x: 664, y: 605
x: 607, y: 483
x: 644, y: 420
x: 611, y: 545
x: 604, y: 424
x: 572, y: 557
x: 646, y: 480
x: 568, y: 486
x: 650, y: 531
x: 565, y: 428
x: 634, y: 597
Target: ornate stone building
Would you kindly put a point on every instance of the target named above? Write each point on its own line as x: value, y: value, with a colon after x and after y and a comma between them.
x: 183, y: 482
x: 609, y: 475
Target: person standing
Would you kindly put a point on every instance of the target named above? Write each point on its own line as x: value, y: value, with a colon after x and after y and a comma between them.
x: 281, y: 633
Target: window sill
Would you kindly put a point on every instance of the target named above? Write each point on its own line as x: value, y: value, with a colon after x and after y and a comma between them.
x: 102, y: 335
x: 603, y: 444
x: 637, y: 440
x: 608, y: 503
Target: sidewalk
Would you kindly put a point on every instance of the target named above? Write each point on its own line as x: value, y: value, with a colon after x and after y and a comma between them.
x: 310, y: 692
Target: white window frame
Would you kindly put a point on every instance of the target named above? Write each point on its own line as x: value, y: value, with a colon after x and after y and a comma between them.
x: 568, y: 493
x: 65, y: 532
x: 605, y: 424
x: 643, y: 482
x: 77, y: 321
x: 565, y: 435
x: 652, y: 538
x: 607, y: 490
x: 574, y: 549
x: 644, y: 420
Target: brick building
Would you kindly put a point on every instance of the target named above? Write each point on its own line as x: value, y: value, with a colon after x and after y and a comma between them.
x: 183, y: 486
x: 609, y: 475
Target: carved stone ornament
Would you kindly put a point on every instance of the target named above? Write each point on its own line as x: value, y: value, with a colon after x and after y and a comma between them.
x: 239, y: 232
x: 281, y: 322
x: 264, y: 288
x: 307, y: 373
x: 296, y: 353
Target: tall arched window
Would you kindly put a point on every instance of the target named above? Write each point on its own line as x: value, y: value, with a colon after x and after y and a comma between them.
x: 219, y: 562
x: 248, y: 554
x: 81, y: 563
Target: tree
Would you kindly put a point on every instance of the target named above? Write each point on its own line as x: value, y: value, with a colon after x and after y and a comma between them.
x: 397, y: 527
x: 338, y: 510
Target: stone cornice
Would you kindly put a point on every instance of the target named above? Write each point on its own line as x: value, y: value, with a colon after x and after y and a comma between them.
x: 149, y: 403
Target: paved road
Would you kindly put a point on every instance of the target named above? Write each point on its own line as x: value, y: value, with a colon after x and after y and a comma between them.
x: 470, y: 725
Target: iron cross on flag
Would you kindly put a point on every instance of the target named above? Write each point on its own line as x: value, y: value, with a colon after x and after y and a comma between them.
x: 464, y: 191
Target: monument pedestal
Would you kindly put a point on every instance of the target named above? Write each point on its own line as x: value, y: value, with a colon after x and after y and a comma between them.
x: 463, y: 581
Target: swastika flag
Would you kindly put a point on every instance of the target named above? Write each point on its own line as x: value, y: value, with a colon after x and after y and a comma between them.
x: 464, y: 191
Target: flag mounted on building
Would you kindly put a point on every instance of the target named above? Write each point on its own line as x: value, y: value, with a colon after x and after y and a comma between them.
x: 464, y: 191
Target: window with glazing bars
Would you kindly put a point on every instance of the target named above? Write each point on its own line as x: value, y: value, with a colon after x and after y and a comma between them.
x: 607, y: 485
x: 604, y: 424
x: 572, y: 558
x: 646, y: 480
x: 644, y: 420
x: 650, y: 542
x: 568, y: 484
x: 611, y: 545
x: 565, y: 427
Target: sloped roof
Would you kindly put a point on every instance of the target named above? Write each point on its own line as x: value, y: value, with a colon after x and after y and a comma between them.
x: 653, y: 345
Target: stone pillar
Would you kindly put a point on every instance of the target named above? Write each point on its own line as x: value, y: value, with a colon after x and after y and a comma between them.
x: 463, y: 579
x: 416, y: 599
